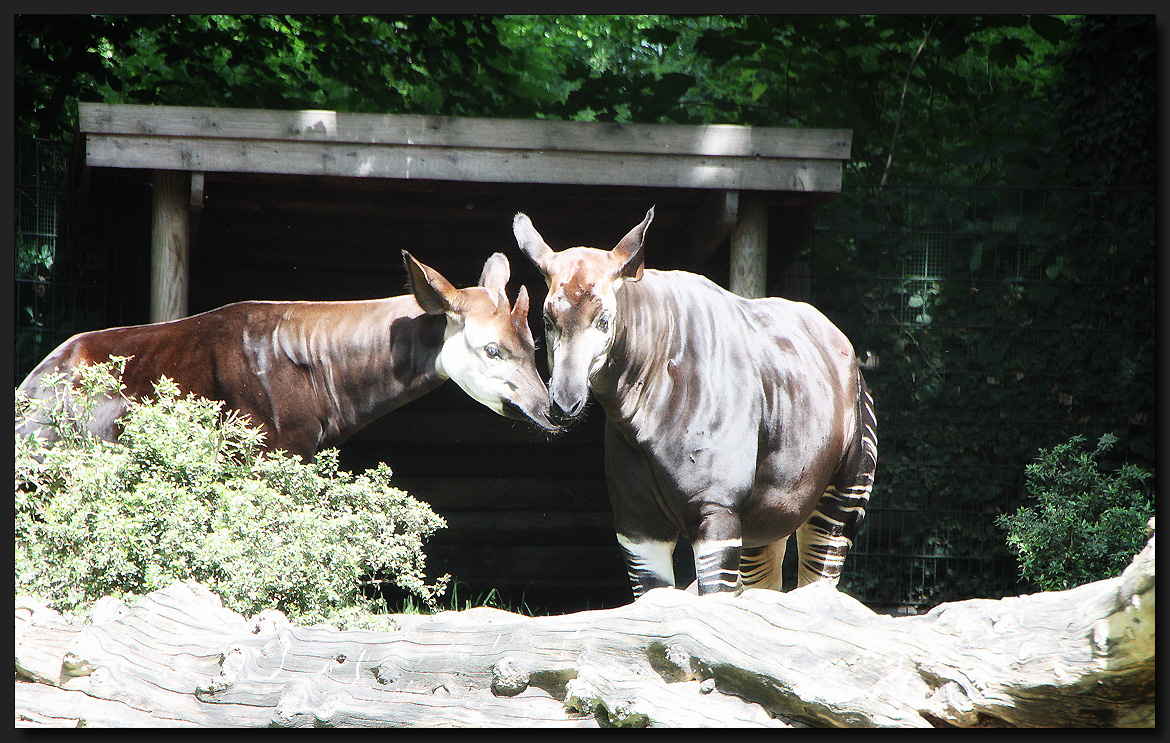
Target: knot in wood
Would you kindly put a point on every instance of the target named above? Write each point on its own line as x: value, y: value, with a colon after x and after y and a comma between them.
x: 231, y: 663
x: 387, y: 672
x: 508, y: 678
x: 672, y: 662
x: 75, y: 666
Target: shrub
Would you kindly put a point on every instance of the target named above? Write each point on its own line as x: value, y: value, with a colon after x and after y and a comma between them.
x: 187, y: 494
x: 1085, y: 525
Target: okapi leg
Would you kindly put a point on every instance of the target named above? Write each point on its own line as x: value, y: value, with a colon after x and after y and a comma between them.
x: 717, y: 565
x: 826, y: 537
x: 716, y: 549
x: 762, y: 567
x: 822, y: 539
x: 650, y: 563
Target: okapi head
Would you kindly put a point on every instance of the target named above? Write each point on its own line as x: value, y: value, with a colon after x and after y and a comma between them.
x: 488, y: 347
x: 580, y: 308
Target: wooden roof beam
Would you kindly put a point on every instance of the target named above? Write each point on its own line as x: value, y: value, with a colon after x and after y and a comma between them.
x: 328, y: 143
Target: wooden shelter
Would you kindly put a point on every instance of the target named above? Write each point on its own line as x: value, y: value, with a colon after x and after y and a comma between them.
x: 251, y: 204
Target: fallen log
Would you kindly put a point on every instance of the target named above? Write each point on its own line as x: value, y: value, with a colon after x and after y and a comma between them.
x: 811, y: 657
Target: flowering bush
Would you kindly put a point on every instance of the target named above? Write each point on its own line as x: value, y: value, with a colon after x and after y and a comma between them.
x: 188, y: 494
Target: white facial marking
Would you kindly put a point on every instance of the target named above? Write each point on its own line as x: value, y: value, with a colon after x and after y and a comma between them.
x: 599, y: 335
x: 472, y: 357
x: 591, y: 342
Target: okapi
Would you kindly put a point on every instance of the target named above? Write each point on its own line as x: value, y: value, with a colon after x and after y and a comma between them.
x: 311, y: 374
x: 732, y: 422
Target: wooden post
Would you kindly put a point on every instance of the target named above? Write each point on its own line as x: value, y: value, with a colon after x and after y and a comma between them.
x: 749, y: 249
x: 170, y: 245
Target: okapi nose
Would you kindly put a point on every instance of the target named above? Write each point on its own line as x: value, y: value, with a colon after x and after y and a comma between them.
x: 558, y: 413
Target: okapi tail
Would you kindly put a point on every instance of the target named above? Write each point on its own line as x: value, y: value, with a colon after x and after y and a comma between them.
x: 869, y: 450
x: 825, y: 539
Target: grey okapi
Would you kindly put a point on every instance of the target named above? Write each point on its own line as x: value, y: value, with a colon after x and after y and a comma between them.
x: 732, y: 422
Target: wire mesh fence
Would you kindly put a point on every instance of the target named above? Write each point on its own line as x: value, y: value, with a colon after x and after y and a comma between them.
x: 997, y: 322
x: 43, y: 195
x: 80, y: 263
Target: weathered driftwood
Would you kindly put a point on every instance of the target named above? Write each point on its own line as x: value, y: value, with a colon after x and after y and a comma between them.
x: 811, y: 657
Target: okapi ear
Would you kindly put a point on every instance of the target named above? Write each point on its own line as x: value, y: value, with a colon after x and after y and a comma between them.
x: 433, y: 293
x: 520, y: 316
x: 629, y: 250
x: 530, y: 241
x: 496, y: 272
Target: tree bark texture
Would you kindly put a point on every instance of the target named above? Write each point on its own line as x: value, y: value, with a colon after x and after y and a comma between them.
x: 813, y: 657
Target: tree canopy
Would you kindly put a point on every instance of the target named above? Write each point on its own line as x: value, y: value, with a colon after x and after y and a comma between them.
x: 938, y: 98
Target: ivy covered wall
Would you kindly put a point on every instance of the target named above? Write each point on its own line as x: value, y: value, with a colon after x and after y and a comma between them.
x: 998, y: 321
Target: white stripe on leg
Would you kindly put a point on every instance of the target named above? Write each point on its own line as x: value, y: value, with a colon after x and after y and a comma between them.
x: 717, y: 564
x: 650, y: 563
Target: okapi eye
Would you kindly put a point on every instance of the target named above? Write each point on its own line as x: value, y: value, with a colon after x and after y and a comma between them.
x: 493, y: 351
x: 603, y: 324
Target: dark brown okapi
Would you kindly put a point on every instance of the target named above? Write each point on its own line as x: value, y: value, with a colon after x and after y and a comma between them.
x: 732, y: 422
x: 311, y: 374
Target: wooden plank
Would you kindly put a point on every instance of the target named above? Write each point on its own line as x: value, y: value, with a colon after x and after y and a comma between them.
x: 713, y: 222
x: 463, y: 163
x: 196, y: 209
x: 490, y: 459
x: 473, y: 424
x: 720, y: 140
x: 505, y: 564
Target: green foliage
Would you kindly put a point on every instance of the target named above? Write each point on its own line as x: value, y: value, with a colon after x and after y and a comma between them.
x: 449, y: 65
x: 454, y: 600
x: 966, y: 93
x: 1004, y: 321
x: 34, y: 258
x: 950, y: 98
x: 1107, y: 99
x: 187, y: 494
x: 1081, y: 524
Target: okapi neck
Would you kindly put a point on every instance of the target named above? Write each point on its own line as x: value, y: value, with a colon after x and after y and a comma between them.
x: 644, y: 346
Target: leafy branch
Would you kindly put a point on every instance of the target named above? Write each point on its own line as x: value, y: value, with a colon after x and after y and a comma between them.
x: 902, y: 99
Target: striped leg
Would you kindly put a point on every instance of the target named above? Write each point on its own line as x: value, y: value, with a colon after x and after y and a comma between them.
x: 717, y: 565
x: 762, y: 567
x: 826, y: 537
x: 650, y: 563
x: 716, y: 548
x: 822, y: 539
